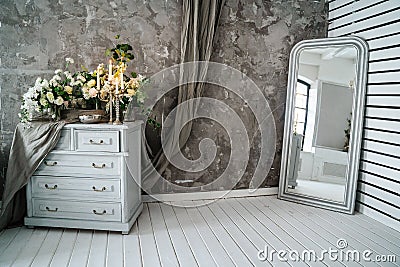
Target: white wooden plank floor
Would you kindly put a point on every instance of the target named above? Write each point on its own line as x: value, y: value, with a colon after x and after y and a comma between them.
x: 229, y: 232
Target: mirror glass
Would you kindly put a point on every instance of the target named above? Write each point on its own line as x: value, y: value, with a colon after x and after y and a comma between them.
x: 323, y: 93
x: 322, y: 118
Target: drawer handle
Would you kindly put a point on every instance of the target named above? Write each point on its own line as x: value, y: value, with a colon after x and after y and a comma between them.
x: 54, y: 163
x: 50, y: 188
x: 100, y: 142
x: 48, y: 209
x: 99, y: 190
x: 98, y: 166
x: 99, y: 213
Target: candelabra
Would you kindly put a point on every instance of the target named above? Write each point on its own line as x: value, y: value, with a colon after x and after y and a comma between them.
x: 111, y: 109
x: 117, y: 121
x: 111, y: 87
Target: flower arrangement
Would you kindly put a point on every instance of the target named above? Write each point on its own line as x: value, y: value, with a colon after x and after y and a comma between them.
x: 128, y: 88
x: 48, y: 96
x: 85, y: 89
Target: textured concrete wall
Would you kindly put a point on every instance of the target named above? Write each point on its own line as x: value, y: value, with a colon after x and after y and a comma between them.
x: 37, y: 35
x: 255, y: 37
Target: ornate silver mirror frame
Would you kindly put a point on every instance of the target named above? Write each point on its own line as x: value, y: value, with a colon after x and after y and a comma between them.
x: 328, y: 48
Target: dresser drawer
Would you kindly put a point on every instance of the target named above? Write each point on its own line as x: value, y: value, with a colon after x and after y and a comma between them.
x: 80, y: 165
x: 102, y: 141
x: 76, y: 210
x: 64, y: 141
x: 97, y: 189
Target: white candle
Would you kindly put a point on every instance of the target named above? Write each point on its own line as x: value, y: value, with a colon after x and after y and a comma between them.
x: 110, y: 70
x: 116, y: 87
x: 111, y: 108
x: 122, y: 81
x: 98, y: 78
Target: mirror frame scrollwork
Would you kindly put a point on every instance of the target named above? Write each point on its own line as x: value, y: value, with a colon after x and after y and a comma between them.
x: 354, y: 151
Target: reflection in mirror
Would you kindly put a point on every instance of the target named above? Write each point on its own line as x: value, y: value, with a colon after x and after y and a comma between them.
x: 322, y: 117
x: 325, y: 85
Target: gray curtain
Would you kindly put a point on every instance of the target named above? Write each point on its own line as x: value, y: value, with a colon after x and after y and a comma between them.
x: 199, y: 28
x: 29, y: 147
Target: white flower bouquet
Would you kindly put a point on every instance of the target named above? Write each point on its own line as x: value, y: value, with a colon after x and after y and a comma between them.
x: 47, y: 97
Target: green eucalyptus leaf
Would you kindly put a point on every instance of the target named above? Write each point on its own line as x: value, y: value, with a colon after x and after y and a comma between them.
x: 125, y: 47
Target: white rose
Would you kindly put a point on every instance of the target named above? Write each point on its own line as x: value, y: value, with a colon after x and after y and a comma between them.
x: 59, y: 101
x: 38, y: 81
x: 58, y: 71
x: 69, y: 60
x: 43, y: 101
x: 50, y: 97
x: 91, y: 83
x: 68, y: 89
x: 92, y: 92
x: 80, y: 77
x: 53, y: 82
x: 45, y: 83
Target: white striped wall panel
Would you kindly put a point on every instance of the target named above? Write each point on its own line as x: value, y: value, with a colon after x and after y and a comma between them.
x: 378, y: 100
x: 387, y: 183
x: 377, y: 134
x: 378, y: 158
x: 386, y: 125
x: 370, y: 17
x: 383, y: 112
x: 386, y: 77
x: 384, y: 54
x: 378, y: 22
x: 393, y: 64
x: 355, y: 11
x: 389, y: 40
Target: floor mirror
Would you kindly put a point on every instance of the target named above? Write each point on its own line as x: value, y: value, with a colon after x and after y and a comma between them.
x: 323, y: 122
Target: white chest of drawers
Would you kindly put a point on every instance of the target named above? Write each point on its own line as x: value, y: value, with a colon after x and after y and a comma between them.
x: 90, y: 180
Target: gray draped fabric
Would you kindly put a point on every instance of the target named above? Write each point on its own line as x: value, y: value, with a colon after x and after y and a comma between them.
x: 199, y: 26
x: 30, y: 146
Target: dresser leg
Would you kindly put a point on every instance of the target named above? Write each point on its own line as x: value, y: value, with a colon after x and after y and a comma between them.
x: 125, y: 232
x: 30, y: 226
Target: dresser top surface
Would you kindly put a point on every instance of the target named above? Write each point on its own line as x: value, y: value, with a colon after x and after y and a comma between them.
x: 104, y: 126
